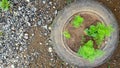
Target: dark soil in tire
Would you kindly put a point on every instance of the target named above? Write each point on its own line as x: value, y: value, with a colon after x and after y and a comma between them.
x: 78, y: 37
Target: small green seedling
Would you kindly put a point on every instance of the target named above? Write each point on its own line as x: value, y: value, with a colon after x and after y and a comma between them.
x: 68, y: 1
x: 87, y: 51
x: 4, y: 5
x: 108, y: 66
x: 1, y: 33
x: 99, y: 32
x: 77, y: 21
x: 67, y: 34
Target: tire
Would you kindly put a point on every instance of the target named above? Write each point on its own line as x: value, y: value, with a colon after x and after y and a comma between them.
x: 83, y: 5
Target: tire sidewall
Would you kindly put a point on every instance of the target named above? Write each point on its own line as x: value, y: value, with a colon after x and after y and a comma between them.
x: 65, y: 14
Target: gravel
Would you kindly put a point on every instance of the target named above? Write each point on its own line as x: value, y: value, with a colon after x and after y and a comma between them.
x: 14, y: 42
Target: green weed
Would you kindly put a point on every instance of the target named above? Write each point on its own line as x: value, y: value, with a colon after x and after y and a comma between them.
x: 87, y: 51
x: 4, y: 5
x: 68, y: 1
x: 1, y: 33
x: 77, y: 21
x: 99, y: 32
x: 67, y: 34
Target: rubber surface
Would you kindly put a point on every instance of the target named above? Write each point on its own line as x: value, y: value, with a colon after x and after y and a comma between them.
x: 59, y: 22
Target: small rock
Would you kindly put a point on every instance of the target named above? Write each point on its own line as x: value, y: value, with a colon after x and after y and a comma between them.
x: 45, y: 27
x: 50, y: 3
x: 40, y: 43
x: 50, y: 49
x: 39, y: 22
x: 49, y: 28
x: 26, y: 36
x: 43, y: 2
x: 12, y: 66
x: 54, y: 7
x: 55, y: 12
x: 28, y: 0
x: 33, y: 34
x: 45, y: 34
x: 19, y: 8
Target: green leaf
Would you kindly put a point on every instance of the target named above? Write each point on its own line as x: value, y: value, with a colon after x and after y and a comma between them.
x: 68, y: 1
x: 67, y: 34
x: 89, y: 43
x: 78, y: 20
x: 87, y: 51
x: 4, y: 5
x: 108, y: 66
x: 0, y: 4
x: 1, y: 33
x: 99, y: 32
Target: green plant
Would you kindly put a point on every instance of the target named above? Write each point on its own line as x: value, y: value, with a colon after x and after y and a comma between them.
x: 68, y: 1
x: 1, y: 33
x: 4, y: 5
x: 99, y: 32
x: 67, y: 34
x: 108, y: 66
x: 77, y: 21
x: 87, y: 51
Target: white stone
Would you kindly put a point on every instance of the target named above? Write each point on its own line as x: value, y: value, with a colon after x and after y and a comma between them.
x: 33, y: 34
x: 40, y: 43
x: 54, y: 7
x: 45, y: 27
x: 39, y: 22
x: 56, y: 12
x: 49, y: 28
x: 50, y: 49
x: 28, y: 24
x: 45, y: 34
x: 12, y: 66
x: 50, y: 3
x: 26, y: 36
x: 43, y: 2
x: 28, y: 0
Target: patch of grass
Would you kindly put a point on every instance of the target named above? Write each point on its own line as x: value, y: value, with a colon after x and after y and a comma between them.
x: 87, y: 51
x: 99, y: 32
x: 67, y: 34
x: 1, y: 33
x: 4, y: 5
x: 108, y: 66
x: 77, y: 21
x: 68, y: 1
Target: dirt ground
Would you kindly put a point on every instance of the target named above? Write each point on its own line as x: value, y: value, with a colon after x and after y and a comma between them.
x: 47, y: 59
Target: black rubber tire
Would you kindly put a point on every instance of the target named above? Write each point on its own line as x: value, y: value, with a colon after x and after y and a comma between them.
x: 59, y: 22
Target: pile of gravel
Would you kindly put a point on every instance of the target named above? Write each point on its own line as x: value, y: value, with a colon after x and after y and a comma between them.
x: 14, y: 40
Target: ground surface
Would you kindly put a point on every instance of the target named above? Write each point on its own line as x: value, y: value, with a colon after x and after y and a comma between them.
x: 31, y: 20
x: 55, y: 62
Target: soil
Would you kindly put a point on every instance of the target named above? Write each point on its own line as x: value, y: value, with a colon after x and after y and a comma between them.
x: 78, y: 36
